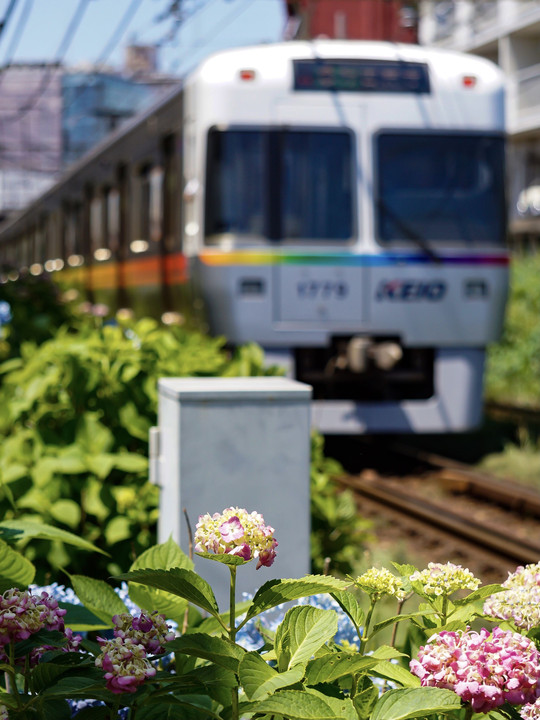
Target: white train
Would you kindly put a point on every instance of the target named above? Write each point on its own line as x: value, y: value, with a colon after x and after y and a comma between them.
x: 341, y: 203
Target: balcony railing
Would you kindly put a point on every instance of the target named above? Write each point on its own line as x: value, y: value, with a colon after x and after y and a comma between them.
x: 528, y: 89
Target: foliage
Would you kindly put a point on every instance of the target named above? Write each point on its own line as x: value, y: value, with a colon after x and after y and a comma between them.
x: 76, y: 414
x: 36, y: 310
x: 513, y: 364
x: 302, y: 668
x: 338, y: 531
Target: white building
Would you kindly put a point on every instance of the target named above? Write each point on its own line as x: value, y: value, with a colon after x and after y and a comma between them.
x: 507, y: 32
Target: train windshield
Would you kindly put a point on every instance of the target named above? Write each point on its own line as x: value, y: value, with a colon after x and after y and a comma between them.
x: 440, y: 189
x: 280, y: 185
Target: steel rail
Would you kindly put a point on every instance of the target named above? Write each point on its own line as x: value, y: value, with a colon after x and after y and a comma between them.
x: 485, y: 536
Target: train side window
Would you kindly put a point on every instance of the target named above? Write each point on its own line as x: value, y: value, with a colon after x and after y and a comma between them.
x: 72, y: 235
x: 98, y: 244
x: 155, y: 204
x: 113, y: 220
x: 140, y: 242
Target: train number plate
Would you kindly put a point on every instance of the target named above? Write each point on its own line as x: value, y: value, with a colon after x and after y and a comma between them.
x: 322, y: 289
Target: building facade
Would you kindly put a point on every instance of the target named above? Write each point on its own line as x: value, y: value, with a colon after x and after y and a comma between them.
x: 507, y: 32
x: 51, y: 115
x: 351, y: 20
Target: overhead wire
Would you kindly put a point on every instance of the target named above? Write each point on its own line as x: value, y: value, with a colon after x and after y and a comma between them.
x: 238, y: 11
x: 16, y: 37
x: 7, y: 15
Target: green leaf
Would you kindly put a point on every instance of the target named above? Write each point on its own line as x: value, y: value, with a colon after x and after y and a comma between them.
x: 117, y: 529
x: 276, y: 592
x: 396, y: 673
x: 260, y: 680
x: 98, y: 597
x: 93, y: 437
x: 365, y: 697
x: 45, y: 674
x: 136, y: 424
x: 303, y: 631
x: 333, y: 666
x: 178, y: 581
x: 80, y: 619
x: 219, y: 650
x: 25, y: 529
x: 350, y: 605
x: 54, y: 710
x: 76, y: 686
x: 131, y: 462
x: 165, y: 556
x: 98, y: 712
x: 305, y: 705
x: 67, y: 512
x: 399, y: 618
x: 479, y: 594
x: 168, y: 707
x: 414, y: 703
x: 14, y: 567
x: 100, y: 464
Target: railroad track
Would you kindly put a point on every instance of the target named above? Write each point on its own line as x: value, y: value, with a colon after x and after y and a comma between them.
x: 512, y: 413
x: 447, y: 511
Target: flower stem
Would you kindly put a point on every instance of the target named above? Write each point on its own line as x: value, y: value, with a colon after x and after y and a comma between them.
x: 232, y: 634
x: 444, y: 610
x: 364, y: 639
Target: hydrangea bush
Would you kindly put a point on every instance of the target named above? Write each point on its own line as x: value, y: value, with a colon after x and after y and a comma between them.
x: 298, y: 649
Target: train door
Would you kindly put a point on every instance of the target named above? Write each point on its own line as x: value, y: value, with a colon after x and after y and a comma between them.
x: 319, y: 279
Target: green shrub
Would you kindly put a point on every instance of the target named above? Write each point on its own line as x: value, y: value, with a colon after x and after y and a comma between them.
x: 338, y: 532
x: 36, y: 309
x: 74, y: 429
x: 513, y: 364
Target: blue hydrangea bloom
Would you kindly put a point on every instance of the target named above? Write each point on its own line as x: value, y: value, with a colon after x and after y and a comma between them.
x: 5, y: 313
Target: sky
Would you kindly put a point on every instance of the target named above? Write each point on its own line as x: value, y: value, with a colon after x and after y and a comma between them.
x: 97, y: 31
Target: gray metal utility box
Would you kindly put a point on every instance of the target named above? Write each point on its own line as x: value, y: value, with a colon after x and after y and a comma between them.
x: 242, y: 442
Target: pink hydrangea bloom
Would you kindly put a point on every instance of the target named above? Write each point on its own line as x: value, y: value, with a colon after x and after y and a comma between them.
x: 72, y: 645
x: 531, y: 711
x: 147, y: 629
x: 483, y: 668
x: 125, y: 664
x: 23, y: 614
x: 237, y: 532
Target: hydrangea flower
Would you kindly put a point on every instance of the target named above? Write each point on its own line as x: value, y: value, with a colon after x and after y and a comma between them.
x: 3, y: 713
x: 444, y: 579
x: 148, y: 629
x: 125, y: 664
x: 483, y: 668
x: 530, y: 711
x: 5, y: 316
x: 520, y: 601
x: 23, y: 614
x: 72, y: 645
x: 236, y: 532
x: 378, y: 582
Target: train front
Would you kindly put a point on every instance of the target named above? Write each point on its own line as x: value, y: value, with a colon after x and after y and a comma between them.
x: 345, y: 209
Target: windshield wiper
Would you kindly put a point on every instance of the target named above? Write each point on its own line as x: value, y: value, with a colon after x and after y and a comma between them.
x: 411, y: 234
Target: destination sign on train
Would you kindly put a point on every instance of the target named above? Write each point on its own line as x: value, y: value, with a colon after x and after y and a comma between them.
x: 361, y: 76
